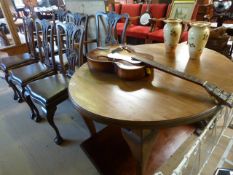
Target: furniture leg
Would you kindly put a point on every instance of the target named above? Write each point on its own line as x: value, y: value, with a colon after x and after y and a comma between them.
x: 15, y: 96
x: 35, y: 115
x: 16, y: 90
x: 90, y: 124
x: 50, y: 115
x: 140, y: 142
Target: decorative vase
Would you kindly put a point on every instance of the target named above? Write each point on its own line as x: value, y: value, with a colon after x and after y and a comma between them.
x: 172, y: 31
x: 197, y: 38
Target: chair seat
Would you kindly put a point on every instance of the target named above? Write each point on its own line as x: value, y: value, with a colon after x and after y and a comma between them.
x: 49, y: 89
x: 57, y: 59
x: 15, y: 61
x: 157, y: 35
x: 30, y: 72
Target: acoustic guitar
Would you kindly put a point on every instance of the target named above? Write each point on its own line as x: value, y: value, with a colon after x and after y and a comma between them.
x: 119, y: 61
x: 145, y: 17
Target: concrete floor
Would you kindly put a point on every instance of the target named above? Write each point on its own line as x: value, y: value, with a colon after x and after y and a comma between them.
x: 27, y: 148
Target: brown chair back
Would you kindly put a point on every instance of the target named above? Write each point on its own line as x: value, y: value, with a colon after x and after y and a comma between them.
x: 29, y: 32
x: 111, y: 20
x: 70, y: 41
x: 45, y: 40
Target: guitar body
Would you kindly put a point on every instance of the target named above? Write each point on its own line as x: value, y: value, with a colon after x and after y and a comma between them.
x: 101, y: 61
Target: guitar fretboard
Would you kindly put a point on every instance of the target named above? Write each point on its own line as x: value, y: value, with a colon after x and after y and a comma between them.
x: 171, y: 71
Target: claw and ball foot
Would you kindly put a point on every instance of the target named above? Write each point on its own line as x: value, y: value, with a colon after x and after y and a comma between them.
x: 58, y: 140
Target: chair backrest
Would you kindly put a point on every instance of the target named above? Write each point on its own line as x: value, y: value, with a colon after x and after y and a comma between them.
x: 70, y: 38
x: 45, y: 40
x: 29, y: 32
x: 60, y: 15
x: 111, y: 20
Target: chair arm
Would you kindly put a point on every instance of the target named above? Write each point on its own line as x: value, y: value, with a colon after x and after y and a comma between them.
x: 133, y: 18
x: 153, y: 22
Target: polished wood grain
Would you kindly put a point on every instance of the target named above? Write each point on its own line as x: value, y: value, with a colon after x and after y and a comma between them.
x: 99, y: 60
x: 141, y: 107
x: 165, y: 101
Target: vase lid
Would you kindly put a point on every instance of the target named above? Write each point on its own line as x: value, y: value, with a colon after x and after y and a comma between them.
x: 172, y: 20
x: 200, y: 24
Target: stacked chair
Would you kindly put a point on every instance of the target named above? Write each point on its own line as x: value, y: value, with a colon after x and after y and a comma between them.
x: 41, y: 77
x: 45, y: 80
x: 16, y: 61
x: 55, y: 87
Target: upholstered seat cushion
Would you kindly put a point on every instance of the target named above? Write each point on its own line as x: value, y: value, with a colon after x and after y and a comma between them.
x: 137, y: 31
x: 156, y: 35
x: 184, y: 36
x: 15, y: 61
x: 49, y: 89
x: 30, y: 72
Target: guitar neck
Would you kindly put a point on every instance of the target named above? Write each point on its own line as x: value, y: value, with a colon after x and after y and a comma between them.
x: 172, y: 71
x: 222, y: 97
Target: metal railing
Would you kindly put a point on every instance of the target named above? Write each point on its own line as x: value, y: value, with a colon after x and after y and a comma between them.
x: 198, y: 155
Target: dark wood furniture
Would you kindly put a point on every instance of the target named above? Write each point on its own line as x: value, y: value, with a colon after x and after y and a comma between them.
x: 16, y: 61
x: 145, y: 108
x: 111, y: 20
x: 51, y: 91
x: 21, y: 76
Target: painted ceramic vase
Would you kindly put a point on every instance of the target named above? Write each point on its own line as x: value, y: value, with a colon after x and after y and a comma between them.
x: 197, y: 38
x: 172, y: 31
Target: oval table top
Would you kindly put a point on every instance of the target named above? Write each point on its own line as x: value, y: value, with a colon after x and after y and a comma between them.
x: 165, y: 101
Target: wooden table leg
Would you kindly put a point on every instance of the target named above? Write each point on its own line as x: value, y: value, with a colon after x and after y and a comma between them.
x: 90, y: 124
x: 141, y: 143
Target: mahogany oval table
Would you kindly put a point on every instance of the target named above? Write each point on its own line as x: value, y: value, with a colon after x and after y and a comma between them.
x: 141, y: 107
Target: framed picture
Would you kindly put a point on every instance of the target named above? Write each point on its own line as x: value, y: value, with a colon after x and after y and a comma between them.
x: 182, y: 9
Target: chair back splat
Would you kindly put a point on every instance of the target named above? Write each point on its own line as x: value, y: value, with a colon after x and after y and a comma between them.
x: 29, y: 29
x: 60, y: 15
x: 70, y: 38
x: 111, y: 20
x: 46, y: 42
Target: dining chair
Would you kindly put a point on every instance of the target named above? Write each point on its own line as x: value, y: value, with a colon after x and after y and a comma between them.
x: 16, y: 61
x: 60, y: 15
x: 21, y: 76
x: 111, y: 19
x: 77, y: 19
x: 52, y: 90
x: 80, y: 19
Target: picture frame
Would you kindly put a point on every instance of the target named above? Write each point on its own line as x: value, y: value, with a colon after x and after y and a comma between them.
x: 182, y: 9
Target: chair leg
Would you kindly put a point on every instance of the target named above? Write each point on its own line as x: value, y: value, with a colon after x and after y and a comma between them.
x: 17, y: 94
x: 50, y: 115
x: 35, y: 115
x: 7, y: 80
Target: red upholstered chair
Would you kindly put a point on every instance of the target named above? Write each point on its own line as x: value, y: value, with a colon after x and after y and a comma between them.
x: 157, y: 34
x: 138, y: 31
x: 157, y: 27
x: 117, y: 8
x: 134, y: 11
